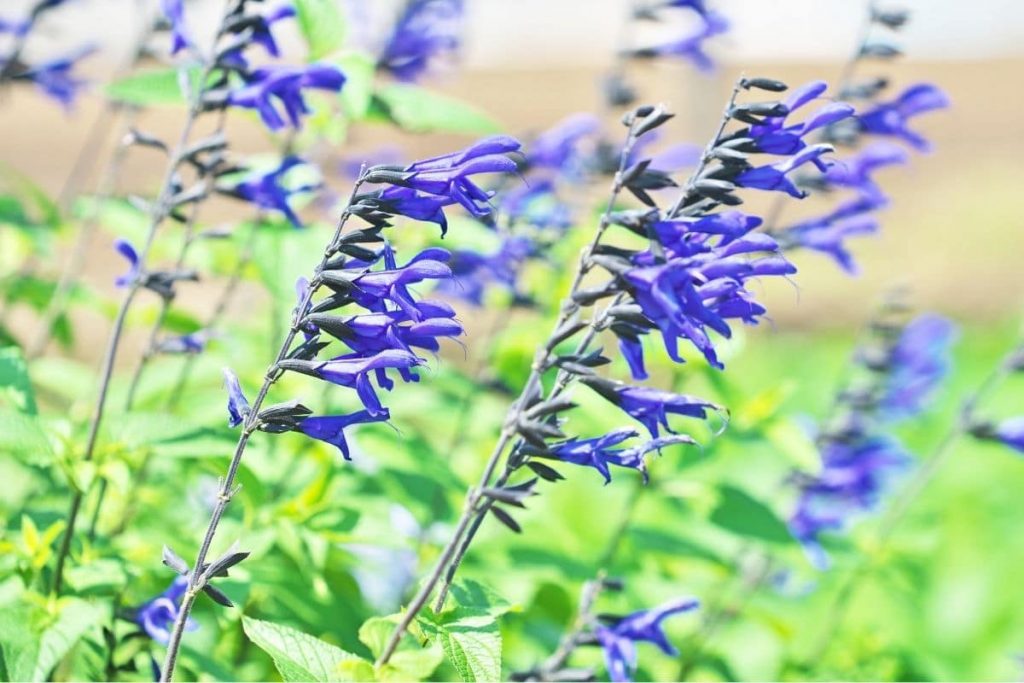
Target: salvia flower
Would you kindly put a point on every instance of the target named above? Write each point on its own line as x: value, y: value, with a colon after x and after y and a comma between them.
x: 421, y: 190
x: 54, y: 77
x: 690, y: 47
x: 238, y: 404
x: 331, y: 428
x: 619, y: 638
x: 269, y: 191
x: 174, y: 12
x: 125, y: 249
x: 157, y: 616
x: 852, y: 481
x: 649, y: 406
x: 892, y: 118
x: 270, y: 89
x: 602, y: 451
x: 558, y: 147
x: 917, y: 364
x: 473, y: 273
x: 425, y: 31
x: 1009, y: 432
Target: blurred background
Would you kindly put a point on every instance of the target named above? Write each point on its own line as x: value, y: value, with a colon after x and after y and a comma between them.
x: 952, y: 237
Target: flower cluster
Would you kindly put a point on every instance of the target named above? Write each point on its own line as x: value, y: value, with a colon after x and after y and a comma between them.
x: 395, y: 324
x: 896, y: 371
x: 269, y: 190
x: 425, y: 31
x: 875, y: 123
x: 275, y: 92
x: 53, y: 76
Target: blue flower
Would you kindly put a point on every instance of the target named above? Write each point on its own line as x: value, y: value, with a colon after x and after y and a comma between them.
x: 369, y: 334
x: 649, y: 406
x: 125, y: 248
x: 774, y: 135
x: 421, y: 189
x: 425, y: 30
x: 265, y: 189
x: 238, y: 404
x: 854, y: 476
x: 892, y: 118
x: 536, y: 204
x: 691, y: 47
x: 917, y: 363
x: 1011, y: 433
x: 331, y: 428
x: 557, y: 148
x: 855, y: 171
x: 599, y: 452
x: 186, y: 343
x: 619, y: 639
x: 473, y: 272
x: 174, y: 12
x: 270, y: 87
x: 774, y: 176
x: 157, y: 616
x: 54, y: 77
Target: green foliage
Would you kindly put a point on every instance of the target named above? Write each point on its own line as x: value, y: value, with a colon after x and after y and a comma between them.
x: 16, y: 391
x: 33, y: 640
x: 322, y: 25
x: 165, y: 86
x: 300, y: 657
x: 419, y: 110
x: 744, y: 515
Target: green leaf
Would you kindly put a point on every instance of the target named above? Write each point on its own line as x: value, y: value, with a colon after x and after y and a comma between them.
x: 15, y: 385
x: 33, y: 643
x: 322, y: 25
x: 374, y: 633
x: 359, y: 70
x: 476, y: 597
x: 301, y: 657
x: 24, y: 437
x: 741, y: 514
x: 147, y: 88
x: 472, y: 643
x: 422, y: 111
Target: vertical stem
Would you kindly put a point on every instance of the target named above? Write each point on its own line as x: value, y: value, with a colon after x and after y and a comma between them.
x: 161, y: 209
x: 197, y: 577
x: 472, y: 515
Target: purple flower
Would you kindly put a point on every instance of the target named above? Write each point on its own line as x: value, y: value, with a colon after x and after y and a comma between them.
x: 699, y: 285
x: 157, y: 616
x: 261, y: 30
x: 773, y: 176
x: 1011, y: 433
x: 557, y: 147
x: 425, y: 30
x: 473, y: 272
x: 125, y: 248
x: 855, y: 172
x: 15, y: 28
x: 331, y: 428
x: 828, y: 237
x: 238, y: 404
x: 353, y: 371
x: 649, y: 406
x: 421, y: 189
x: 174, y: 12
x: 892, y: 118
x: 371, y: 289
x: 599, y: 452
x: 774, y: 136
x: 371, y: 333
x: 186, y: 343
x: 619, y: 639
x: 268, y: 88
x: 536, y: 204
x: 853, y: 478
x: 691, y: 47
x: 265, y: 189
x: 917, y: 363
x: 54, y: 77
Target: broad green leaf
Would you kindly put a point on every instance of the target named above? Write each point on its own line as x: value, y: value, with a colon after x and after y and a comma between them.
x: 410, y: 661
x: 301, y: 657
x: 473, y: 597
x: 422, y: 111
x: 374, y: 633
x: 15, y: 387
x: 23, y: 437
x: 147, y: 88
x: 472, y: 644
x: 741, y: 514
x: 33, y: 642
x: 322, y: 25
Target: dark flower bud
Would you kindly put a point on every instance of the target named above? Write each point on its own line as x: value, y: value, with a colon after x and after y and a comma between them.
x: 880, y: 50
x: 894, y: 19
x: 768, y: 84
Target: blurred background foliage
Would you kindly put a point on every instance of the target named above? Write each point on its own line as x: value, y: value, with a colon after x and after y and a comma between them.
x: 336, y: 543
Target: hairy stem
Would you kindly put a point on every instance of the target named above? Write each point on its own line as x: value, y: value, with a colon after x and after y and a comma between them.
x: 197, y: 577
